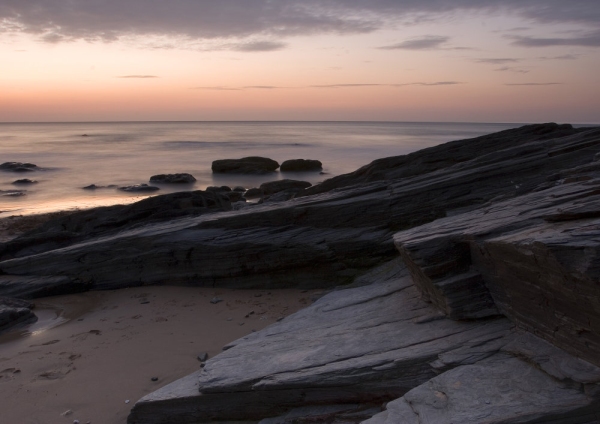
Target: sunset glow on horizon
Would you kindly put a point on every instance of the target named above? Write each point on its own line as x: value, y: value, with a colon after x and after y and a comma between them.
x: 473, y: 61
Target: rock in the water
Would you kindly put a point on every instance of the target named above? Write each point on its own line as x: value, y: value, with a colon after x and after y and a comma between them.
x: 18, y: 167
x: 15, y: 312
x: 182, y: 178
x: 247, y: 165
x: 139, y: 188
x: 301, y: 165
x: 97, y: 187
x: 239, y: 188
x: 24, y: 181
x: 276, y: 186
x: 12, y: 193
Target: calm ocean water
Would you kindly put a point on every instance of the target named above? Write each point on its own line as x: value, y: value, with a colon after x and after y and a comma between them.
x: 129, y: 153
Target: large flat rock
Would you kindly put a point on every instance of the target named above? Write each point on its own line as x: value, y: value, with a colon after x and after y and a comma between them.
x: 363, y: 345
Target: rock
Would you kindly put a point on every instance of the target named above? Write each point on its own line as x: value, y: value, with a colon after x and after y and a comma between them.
x: 253, y: 193
x: 215, y: 300
x: 81, y: 225
x: 235, y: 196
x: 202, y: 357
x: 247, y: 165
x: 96, y: 187
x: 139, y: 188
x: 239, y: 188
x: 222, y: 189
x: 12, y: 193
x: 14, y: 312
x: 272, y: 187
x: 24, y: 181
x: 173, y: 178
x: 31, y: 287
x: 301, y: 165
x: 364, y: 345
x: 18, y: 167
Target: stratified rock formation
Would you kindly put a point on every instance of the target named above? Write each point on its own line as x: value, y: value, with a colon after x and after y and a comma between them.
x: 475, y: 288
x: 248, y: 165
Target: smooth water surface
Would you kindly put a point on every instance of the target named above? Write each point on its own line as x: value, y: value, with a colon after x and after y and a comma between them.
x: 74, y: 155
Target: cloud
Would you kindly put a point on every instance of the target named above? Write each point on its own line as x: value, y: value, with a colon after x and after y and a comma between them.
x: 427, y: 42
x: 347, y: 85
x: 427, y: 84
x: 498, y: 61
x: 561, y: 57
x: 535, y: 84
x: 259, y: 46
x: 512, y: 69
x: 138, y: 76
x: 588, y: 40
x: 231, y: 21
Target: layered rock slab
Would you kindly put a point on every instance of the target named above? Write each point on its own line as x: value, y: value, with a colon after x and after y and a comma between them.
x: 535, y: 259
x: 363, y: 345
x: 528, y: 381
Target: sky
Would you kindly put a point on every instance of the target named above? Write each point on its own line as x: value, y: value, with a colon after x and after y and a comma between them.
x: 366, y: 60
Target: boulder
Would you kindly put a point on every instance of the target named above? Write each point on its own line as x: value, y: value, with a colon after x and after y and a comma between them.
x: 173, y: 178
x: 14, y: 312
x: 139, y: 188
x: 301, y: 165
x: 247, y: 165
x: 253, y: 193
x: 24, y: 181
x: 276, y: 186
x: 18, y: 167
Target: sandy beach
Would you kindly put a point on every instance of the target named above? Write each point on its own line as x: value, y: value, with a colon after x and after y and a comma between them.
x: 91, y: 356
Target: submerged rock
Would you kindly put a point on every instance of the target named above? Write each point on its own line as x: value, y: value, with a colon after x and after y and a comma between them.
x: 301, y: 165
x: 139, y: 188
x: 182, y: 178
x: 247, y: 165
x: 97, y: 187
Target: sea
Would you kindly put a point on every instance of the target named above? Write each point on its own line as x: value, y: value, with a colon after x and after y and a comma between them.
x: 74, y: 155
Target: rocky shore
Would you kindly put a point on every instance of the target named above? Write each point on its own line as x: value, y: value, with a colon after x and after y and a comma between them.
x: 465, y: 277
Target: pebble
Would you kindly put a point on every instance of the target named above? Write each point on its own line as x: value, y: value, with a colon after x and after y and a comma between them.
x: 75, y: 421
x: 215, y: 300
x: 203, y: 357
x: 154, y: 379
x: 66, y: 413
x: 127, y: 401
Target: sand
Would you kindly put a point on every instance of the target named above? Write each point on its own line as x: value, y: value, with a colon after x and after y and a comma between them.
x: 91, y: 356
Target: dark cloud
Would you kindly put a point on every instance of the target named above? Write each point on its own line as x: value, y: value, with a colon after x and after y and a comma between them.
x: 188, y: 21
x: 427, y: 42
x: 138, y: 76
x: 535, y: 84
x: 497, y: 61
x: 588, y: 40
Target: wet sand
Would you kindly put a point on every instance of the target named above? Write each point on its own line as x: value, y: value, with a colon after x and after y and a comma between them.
x: 91, y: 356
x: 113, y: 343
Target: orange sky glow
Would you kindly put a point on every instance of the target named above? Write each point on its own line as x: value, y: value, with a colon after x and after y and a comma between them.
x: 488, y: 61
